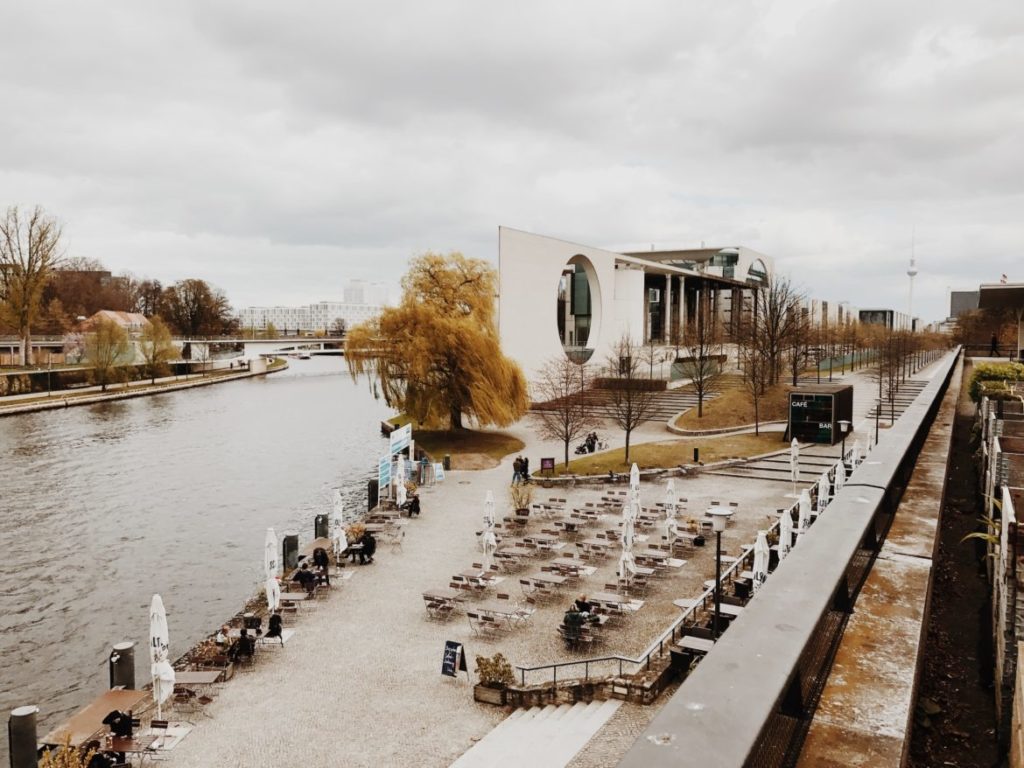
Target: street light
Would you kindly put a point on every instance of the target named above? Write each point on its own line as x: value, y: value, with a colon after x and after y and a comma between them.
x: 719, y: 517
x: 844, y: 427
x: 878, y: 412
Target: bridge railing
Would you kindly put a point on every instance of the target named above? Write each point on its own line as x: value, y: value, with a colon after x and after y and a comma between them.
x: 750, y: 701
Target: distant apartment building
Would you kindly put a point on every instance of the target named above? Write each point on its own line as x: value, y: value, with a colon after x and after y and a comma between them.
x: 363, y: 301
x: 888, y: 318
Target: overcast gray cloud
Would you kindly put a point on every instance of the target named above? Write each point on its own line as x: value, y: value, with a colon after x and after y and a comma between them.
x: 276, y: 149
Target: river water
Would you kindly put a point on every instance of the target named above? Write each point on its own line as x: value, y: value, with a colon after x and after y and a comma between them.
x: 101, y: 506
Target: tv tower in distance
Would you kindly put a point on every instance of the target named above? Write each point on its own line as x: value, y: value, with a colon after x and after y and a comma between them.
x: 911, y: 273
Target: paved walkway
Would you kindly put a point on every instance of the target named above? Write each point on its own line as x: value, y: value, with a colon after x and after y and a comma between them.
x: 359, y: 684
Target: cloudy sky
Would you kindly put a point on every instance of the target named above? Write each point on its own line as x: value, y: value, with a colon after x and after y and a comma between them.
x: 277, y: 149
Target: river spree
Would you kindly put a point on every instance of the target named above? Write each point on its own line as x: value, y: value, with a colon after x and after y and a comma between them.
x: 101, y: 506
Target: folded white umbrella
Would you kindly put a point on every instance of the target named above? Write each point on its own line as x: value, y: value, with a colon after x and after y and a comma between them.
x: 823, y: 492
x: 489, y: 510
x: 400, y: 493
x: 627, y: 565
x: 805, y: 511
x: 785, y: 533
x: 270, y: 570
x: 855, y: 455
x: 794, y: 463
x: 761, y: 553
x: 670, y: 499
x: 634, y: 478
x: 840, y: 473
x: 159, y: 642
x: 338, y: 525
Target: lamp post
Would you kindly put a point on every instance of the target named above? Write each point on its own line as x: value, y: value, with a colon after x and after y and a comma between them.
x: 844, y: 427
x: 719, y: 517
x: 878, y: 412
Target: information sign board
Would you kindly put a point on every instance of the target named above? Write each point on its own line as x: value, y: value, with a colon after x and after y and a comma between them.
x: 454, y: 659
x: 400, y: 438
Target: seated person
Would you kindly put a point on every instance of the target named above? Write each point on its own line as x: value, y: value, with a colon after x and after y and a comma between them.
x: 573, y: 622
x: 222, y: 636
x: 583, y: 606
x: 305, y: 577
x: 120, y: 723
x: 275, y: 627
x: 245, y: 647
x: 369, y: 547
x: 322, y: 562
x: 99, y: 759
x: 253, y: 622
x: 413, y: 505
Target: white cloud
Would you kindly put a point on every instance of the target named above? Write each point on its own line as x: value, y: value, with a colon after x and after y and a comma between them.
x: 278, y: 150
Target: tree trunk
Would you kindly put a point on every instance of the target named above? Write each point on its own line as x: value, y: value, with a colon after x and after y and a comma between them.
x: 26, y: 347
x: 566, y: 455
x: 700, y: 406
x: 627, y: 445
x: 456, y: 417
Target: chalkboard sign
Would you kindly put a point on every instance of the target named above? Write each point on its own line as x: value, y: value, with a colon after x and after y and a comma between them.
x: 547, y: 465
x: 454, y: 659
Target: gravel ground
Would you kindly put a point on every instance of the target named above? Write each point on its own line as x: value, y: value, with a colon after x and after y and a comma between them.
x: 359, y: 684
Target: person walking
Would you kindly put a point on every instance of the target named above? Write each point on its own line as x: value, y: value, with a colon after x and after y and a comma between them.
x: 517, y: 470
x: 526, y: 469
x: 994, y: 349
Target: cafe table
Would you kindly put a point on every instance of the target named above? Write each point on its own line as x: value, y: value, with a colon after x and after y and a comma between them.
x: 87, y: 722
x: 548, y: 578
x: 698, y: 644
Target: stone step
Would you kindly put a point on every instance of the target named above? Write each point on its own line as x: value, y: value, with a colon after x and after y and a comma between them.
x: 539, y: 737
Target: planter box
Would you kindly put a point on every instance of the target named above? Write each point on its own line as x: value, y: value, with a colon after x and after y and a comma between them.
x: 487, y: 695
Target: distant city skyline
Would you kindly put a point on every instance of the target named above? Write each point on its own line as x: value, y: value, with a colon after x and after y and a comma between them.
x: 273, y: 156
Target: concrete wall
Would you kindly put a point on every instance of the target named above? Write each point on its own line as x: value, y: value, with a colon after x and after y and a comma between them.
x: 529, y: 268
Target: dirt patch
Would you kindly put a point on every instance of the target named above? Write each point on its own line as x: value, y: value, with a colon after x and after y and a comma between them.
x: 473, y: 461
x: 955, y: 722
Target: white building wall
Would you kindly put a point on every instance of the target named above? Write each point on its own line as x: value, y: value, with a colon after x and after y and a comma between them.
x: 529, y: 268
x: 629, y: 306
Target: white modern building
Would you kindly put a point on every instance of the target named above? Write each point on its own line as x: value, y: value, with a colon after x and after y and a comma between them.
x: 598, y: 296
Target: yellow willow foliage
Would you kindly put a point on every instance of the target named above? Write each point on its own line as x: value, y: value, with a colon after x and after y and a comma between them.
x: 437, y: 355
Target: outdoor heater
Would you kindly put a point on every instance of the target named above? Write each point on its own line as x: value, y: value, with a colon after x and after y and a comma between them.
x: 719, y: 517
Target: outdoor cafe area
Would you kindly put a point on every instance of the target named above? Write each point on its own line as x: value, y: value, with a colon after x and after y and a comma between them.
x: 533, y: 564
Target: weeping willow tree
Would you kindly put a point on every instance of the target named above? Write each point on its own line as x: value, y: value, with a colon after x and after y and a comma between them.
x: 437, y: 355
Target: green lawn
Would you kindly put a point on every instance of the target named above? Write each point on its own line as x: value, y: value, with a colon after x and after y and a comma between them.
x: 673, y: 453
x: 733, y: 408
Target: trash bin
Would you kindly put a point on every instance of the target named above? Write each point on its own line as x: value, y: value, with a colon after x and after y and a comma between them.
x: 21, y: 736
x: 372, y: 494
x: 320, y: 530
x: 447, y: 462
x: 290, y: 551
x: 122, y: 665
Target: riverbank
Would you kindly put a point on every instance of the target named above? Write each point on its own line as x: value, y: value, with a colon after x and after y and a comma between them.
x: 127, y: 390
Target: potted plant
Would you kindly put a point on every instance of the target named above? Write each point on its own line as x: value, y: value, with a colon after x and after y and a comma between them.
x: 495, y: 675
x: 521, y: 496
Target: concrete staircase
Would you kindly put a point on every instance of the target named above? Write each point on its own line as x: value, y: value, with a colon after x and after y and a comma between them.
x: 539, y: 737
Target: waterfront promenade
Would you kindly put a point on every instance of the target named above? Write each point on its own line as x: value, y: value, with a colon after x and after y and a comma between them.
x: 359, y: 683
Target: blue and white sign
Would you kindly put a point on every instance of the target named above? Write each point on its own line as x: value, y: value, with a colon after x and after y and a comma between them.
x: 384, y: 472
x: 400, y: 438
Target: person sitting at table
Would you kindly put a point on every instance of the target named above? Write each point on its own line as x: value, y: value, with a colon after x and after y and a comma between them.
x: 583, y: 606
x: 369, y: 547
x: 274, y: 628
x: 321, y: 561
x: 412, y: 506
x: 245, y: 647
x: 305, y: 577
x: 99, y: 759
x: 222, y: 637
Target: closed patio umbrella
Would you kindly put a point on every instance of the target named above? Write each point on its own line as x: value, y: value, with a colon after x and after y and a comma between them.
x: 670, y: 499
x: 761, y: 553
x: 273, y: 589
x: 785, y: 533
x: 839, y: 470
x: 855, y: 455
x: 804, y: 518
x: 634, y: 478
x: 794, y: 463
x: 823, y: 492
x: 160, y: 667
x: 338, y: 526
x: 488, y: 540
x: 627, y: 564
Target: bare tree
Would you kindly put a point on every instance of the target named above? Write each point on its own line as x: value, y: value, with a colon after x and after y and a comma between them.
x: 30, y: 250
x: 757, y: 366
x: 797, y: 344
x: 630, y: 395
x: 702, y: 344
x: 776, y: 318
x: 563, y: 412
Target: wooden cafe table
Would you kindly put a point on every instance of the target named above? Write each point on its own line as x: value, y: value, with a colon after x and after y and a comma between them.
x: 88, y: 721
